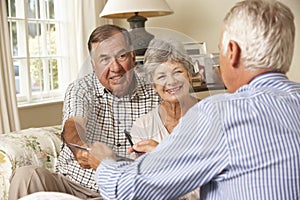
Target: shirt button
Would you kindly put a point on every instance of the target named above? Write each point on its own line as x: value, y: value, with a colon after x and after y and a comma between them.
x: 118, y: 145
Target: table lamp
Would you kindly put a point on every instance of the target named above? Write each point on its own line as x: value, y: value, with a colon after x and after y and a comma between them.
x: 136, y: 12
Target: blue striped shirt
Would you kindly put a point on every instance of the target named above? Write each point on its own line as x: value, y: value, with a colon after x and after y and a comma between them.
x: 244, y: 145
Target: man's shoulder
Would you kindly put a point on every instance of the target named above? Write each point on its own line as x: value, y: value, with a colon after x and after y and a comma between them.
x: 86, y: 82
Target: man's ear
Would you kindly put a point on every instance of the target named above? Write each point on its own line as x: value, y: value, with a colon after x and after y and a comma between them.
x: 234, y: 53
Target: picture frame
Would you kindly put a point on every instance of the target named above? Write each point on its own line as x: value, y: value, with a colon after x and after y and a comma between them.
x: 194, y: 49
x: 206, y: 74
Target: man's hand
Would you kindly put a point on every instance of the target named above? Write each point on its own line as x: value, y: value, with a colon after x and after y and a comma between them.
x: 82, y: 158
x: 93, y: 161
x: 100, y: 151
x: 74, y: 133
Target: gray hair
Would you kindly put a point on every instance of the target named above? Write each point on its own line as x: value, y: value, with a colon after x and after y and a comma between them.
x: 265, y: 33
x: 160, y: 51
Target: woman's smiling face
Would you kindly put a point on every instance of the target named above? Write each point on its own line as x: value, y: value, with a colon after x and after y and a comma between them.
x: 171, y: 81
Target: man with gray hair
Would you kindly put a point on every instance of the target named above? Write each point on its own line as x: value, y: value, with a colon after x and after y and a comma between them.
x: 241, y: 145
x: 97, y: 107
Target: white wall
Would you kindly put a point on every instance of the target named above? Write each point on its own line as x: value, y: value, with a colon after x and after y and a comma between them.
x: 41, y: 115
x: 202, y: 19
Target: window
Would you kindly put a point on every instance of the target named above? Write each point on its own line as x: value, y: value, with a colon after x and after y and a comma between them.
x: 34, y: 28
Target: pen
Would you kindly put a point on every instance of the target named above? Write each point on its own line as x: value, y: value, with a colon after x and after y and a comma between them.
x: 128, y: 136
x: 79, y: 147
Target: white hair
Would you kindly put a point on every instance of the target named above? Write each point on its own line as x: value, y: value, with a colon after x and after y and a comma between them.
x: 265, y: 33
x: 160, y: 51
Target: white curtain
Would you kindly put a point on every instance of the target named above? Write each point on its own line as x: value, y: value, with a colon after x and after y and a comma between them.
x: 80, y: 17
x: 9, y: 119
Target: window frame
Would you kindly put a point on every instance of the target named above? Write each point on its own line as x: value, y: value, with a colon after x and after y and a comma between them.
x: 46, y: 93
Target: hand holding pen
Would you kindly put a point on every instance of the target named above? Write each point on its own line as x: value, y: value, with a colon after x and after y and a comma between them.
x: 145, y: 145
x: 141, y: 147
x: 129, y: 138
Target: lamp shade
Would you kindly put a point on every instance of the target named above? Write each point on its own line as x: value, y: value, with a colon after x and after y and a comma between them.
x: 127, y: 8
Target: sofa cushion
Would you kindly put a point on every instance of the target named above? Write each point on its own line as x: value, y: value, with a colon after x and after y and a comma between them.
x: 33, y: 146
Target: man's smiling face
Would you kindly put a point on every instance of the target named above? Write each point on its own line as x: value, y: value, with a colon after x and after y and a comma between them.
x: 113, y: 64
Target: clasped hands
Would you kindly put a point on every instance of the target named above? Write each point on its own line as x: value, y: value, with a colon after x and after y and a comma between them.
x: 100, y: 151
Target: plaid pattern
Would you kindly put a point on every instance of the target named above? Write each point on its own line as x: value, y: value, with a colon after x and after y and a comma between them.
x: 107, y: 118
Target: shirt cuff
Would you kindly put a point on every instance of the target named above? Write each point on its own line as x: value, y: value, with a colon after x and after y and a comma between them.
x: 105, y: 162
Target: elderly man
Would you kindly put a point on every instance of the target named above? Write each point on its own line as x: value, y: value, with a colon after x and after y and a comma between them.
x: 97, y: 107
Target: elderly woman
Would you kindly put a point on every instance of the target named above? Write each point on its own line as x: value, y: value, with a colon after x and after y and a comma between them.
x: 169, y: 69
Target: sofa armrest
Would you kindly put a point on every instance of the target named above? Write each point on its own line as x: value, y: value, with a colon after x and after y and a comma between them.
x: 33, y: 146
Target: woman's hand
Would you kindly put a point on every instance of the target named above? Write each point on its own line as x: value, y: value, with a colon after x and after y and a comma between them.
x: 144, y: 146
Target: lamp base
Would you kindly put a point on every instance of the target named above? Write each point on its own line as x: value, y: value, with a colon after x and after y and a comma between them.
x: 139, y: 36
x: 140, y: 40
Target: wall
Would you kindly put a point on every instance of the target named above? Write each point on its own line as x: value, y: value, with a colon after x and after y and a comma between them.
x: 202, y: 19
x: 199, y: 19
x: 41, y: 115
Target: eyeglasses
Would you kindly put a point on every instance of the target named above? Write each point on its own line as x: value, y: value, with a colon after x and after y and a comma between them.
x: 107, y: 60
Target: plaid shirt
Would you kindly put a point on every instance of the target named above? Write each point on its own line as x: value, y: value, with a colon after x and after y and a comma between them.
x: 107, y: 118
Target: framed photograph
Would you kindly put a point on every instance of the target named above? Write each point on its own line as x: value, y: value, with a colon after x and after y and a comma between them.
x: 195, y: 48
x: 206, y: 68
